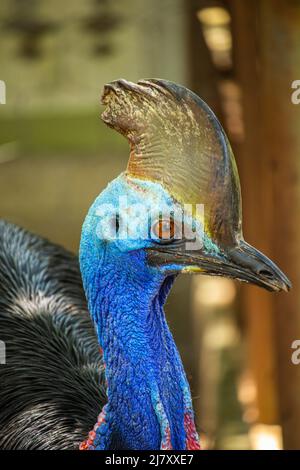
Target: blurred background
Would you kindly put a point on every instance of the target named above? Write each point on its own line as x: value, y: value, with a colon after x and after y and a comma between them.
x: 56, y: 155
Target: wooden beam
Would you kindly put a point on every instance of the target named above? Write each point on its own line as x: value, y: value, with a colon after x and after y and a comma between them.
x: 257, y: 210
x: 279, y: 34
x: 267, y: 41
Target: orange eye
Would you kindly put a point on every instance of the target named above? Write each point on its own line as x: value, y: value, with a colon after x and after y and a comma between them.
x: 164, y: 229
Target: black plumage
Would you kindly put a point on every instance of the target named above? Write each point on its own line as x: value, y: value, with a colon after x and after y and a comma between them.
x: 52, y: 385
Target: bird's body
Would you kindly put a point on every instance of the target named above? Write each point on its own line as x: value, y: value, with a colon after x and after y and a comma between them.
x: 52, y: 385
x: 139, y: 234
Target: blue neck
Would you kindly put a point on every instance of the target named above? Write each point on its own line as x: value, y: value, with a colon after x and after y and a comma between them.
x: 149, y: 404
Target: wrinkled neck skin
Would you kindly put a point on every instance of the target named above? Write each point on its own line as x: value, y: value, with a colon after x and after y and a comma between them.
x: 149, y: 403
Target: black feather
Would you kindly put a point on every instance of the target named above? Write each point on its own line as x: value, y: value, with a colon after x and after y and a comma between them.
x: 52, y: 385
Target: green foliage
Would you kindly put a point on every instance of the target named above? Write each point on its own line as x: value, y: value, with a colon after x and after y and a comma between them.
x: 61, y: 134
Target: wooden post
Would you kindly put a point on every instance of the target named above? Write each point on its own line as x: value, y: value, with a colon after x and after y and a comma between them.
x: 279, y: 34
x: 267, y: 34
x: 257, y: 211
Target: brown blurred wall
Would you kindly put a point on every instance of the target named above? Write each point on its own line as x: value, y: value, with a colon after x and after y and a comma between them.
x: 266, y: 46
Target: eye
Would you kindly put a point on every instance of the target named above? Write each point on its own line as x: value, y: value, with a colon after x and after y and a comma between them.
x: 114, y: 226
x: 117, y: 222
x: 163, y: 230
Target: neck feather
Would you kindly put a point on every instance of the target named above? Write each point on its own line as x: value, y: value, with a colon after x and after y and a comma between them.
x: 149, y: 404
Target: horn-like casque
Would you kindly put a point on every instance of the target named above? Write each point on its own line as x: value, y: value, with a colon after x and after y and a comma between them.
x: 176, y: 140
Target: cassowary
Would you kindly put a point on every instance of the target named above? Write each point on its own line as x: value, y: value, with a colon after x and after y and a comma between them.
x: 117, y: 366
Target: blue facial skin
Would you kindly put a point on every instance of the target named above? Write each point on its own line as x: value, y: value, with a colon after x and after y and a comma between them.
x: 148, y: 393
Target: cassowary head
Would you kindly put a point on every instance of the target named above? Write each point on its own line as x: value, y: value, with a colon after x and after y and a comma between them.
x: 176, y: 209
x: 179, y: 203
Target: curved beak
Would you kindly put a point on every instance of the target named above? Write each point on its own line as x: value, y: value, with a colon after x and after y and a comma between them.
x: 243, y: 262
x: 177, y: 141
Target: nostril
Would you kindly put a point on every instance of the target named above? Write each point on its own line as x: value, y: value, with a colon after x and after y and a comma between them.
x: 266, y: 273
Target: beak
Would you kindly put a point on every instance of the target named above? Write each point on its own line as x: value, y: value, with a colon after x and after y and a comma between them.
x: 243, y: 262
